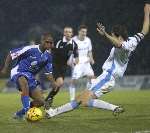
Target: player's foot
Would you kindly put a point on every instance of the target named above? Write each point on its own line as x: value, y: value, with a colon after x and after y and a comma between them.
x: 18, y: 116
x: 118, y: 110
x: 50, y: 113
x: 48, y: 104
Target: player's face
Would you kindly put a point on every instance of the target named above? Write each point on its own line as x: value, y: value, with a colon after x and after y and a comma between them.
x: 48, y: 43
x: 68, y: 33
x: 82, y: 33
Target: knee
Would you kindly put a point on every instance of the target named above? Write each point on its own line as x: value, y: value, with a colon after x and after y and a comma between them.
x: 60, y: 83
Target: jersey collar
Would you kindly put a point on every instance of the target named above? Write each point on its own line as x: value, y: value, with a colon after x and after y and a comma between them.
x: 38, y: 46
x: 64, y: 40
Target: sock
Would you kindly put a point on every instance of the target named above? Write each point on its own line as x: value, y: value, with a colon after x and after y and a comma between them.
x: 101, y: 104
x: 26, y: 105
x: 66, y: 107
x: 52, y: 93
x: 72, y: 93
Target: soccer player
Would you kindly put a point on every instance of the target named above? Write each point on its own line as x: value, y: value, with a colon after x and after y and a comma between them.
x: 29, y: 61
x: 83, y: 68
x: 113, y: 68
x: 63, y: 51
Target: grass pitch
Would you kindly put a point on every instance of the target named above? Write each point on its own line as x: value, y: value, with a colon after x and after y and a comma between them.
x: 136, y: 119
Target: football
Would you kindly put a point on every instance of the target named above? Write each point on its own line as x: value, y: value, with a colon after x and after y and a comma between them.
x: 34, y: 114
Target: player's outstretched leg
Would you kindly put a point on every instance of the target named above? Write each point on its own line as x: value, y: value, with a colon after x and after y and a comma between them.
x: 62, y: 109
x: 96, y: 103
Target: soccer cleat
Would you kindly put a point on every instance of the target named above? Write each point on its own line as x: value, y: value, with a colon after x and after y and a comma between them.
x: 48, y: 103
x: 50, y: 113
x: 18, y: 116
x: 118, y: 110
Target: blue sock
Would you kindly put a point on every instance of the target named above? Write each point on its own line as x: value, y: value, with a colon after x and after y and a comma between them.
x: 25, y: 102
x: 90, y: 103
x: 26, y: 105
x: 74, y: 104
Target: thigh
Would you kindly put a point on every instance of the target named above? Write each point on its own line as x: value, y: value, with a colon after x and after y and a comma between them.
x: 22, y: 84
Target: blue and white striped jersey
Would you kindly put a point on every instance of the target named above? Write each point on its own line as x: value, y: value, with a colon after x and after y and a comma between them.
x: 31, y: 59
x: 118, y: 59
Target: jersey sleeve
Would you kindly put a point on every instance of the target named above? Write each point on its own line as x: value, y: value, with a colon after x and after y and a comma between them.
x: 58, y: 43
x: 49, y: 67
x: 132, y: 42
x: 90, y: 45
x: 15, y: 53
x: 75, y: 50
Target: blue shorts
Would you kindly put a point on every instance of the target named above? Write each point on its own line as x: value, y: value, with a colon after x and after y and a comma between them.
x: 32, y: 82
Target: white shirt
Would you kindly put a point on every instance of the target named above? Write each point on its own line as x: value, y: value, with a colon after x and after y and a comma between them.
x: 83, y: 48
x: 118, y: 59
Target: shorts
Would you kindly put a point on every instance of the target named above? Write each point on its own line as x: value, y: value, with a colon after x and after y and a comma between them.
x: 81, y: 70
x: 102, y: 84
x: 59, y: 71
x: 32, y: 82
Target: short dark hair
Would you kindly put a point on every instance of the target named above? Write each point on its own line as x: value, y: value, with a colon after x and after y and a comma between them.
x: 68, y: 27
x: 120, y: 30
x: 82, y: 26
x: 46, y: 35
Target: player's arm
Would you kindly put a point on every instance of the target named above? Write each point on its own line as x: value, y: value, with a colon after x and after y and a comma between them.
x: 49, y: 71
x: 7, y: 63
x: 76, y: 54
x: 50, y: 78
x: 145, y: 28
x: 90, y: 54
x: 13, y: 54
x: 101, y: 30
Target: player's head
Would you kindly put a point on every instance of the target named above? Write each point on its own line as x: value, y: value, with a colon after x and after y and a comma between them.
x: 47, y: 41
x: 120, y: 32
x: 82, y: 31
x: 68, y: 32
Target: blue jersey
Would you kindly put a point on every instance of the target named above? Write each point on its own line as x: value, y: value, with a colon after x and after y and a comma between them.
x: 31, y: 59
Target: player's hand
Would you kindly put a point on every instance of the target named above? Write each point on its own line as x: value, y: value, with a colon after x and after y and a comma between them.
x: 92, y: 62
x: 101, y: 29
x: 54, y: 84
x: 3, y: 71
x: 76, y: 61
x: 147, y: 8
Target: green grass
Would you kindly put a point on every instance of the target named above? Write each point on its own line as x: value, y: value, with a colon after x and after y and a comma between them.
x: 136, y: 119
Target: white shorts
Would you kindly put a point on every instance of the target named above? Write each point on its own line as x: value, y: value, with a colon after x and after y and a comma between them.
x: 81, y: 70
x: 102, y: 84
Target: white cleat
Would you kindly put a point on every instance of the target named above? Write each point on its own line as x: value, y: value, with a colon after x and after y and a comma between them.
x: 50, y: 113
